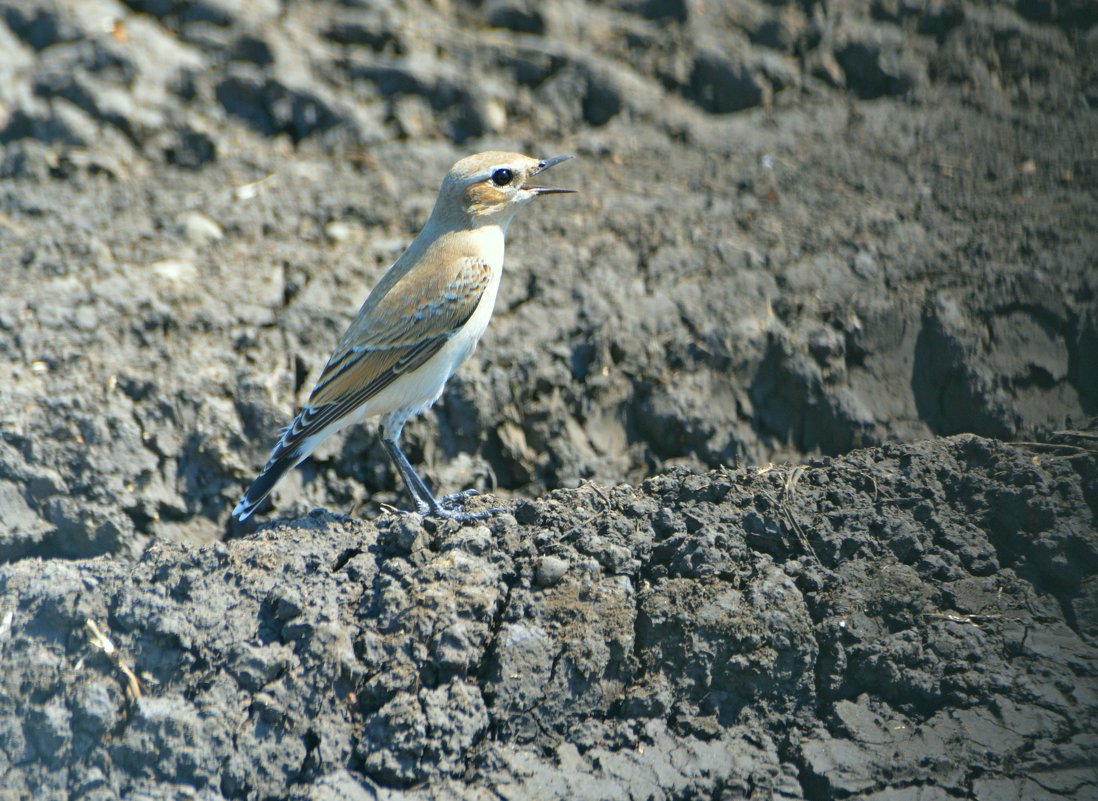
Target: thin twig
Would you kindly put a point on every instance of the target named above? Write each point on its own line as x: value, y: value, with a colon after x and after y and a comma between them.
x: 101, y: 641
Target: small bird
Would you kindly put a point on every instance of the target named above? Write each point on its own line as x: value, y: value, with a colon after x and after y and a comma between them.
x: 420, y: 322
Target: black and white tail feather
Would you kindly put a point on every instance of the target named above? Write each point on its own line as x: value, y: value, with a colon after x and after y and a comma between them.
x: 290, y: 451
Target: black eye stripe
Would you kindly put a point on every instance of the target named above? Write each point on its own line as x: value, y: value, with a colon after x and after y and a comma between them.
x: 502, y: 177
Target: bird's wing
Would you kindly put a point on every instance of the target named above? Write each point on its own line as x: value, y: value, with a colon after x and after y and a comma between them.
x: 393, y: 335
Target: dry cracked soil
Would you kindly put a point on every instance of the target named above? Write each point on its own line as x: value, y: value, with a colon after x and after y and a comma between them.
x: 788, y: 409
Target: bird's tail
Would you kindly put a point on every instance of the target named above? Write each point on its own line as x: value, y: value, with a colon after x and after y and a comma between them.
x: 281, y: 462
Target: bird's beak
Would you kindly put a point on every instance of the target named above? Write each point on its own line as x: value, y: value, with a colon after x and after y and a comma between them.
x: 542, y: 167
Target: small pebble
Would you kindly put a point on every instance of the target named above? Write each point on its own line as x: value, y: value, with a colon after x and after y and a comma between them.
x: 176, y: 271
x: 550, y: 570
x: 200, y: 229
x: 339, y: 231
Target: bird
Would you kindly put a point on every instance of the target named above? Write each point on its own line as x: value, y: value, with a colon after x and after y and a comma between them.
x: 419, y: 323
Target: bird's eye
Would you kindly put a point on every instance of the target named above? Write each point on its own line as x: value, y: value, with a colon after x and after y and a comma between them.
x: 502, y: 177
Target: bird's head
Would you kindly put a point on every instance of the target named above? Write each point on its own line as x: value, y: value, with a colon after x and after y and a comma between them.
x: 490, y: 187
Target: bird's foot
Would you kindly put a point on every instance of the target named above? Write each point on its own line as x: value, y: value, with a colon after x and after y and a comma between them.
x: 464, y: 516
x: 457, y: 499
x: 452, y: 507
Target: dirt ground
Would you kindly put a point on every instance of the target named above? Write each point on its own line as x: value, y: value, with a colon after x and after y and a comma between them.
x: 842, y: 255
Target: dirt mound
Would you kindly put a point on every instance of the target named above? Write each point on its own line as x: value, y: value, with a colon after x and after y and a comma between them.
x: 915, y: 616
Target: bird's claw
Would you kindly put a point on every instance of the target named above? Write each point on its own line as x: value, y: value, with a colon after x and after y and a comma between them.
x: 463, y: 516
x: 452, y: 507
x: 457, y: 498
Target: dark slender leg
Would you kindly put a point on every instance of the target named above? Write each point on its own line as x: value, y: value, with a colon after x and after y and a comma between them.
x: 425, y: 501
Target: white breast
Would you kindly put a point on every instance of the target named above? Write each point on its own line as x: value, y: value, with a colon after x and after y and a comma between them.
x: 461, y: 347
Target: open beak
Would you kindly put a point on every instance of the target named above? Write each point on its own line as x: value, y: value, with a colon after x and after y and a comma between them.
x: 542, y: 167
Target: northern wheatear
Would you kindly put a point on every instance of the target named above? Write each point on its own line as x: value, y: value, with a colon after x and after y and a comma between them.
x: 422, y: 320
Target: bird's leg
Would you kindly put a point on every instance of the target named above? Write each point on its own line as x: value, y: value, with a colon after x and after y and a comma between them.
x: 426, y: 503
x: 422, y: 496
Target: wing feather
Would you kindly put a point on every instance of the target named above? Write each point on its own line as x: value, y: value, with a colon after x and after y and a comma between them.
x: 392, y: 335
